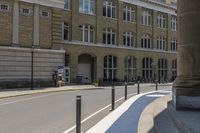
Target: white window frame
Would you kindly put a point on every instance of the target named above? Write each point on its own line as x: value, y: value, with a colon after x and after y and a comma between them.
x: 131, y: 42
x: 162, y: 69
x: 106, y: 5
x: 173, y: 23
x: 130, y: 65
x: 112, y: 32
x: 146, y: 38
x: 48, y: 14
x: 65, y: 27
x: 89, y: 29
x: 174, y: 68
x: 4, y: 10
x: 174, y: 45
x: 26, y: 14
x: 82, y: 8
x: 161, y: 43
x: 147, y: 68
x: 67, y: 5
x: 146, y: 18
x: 113, y: 67
x: 131, y: 11
x: 161, y: 21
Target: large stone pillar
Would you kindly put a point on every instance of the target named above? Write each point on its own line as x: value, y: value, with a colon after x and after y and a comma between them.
x: 186, y: 88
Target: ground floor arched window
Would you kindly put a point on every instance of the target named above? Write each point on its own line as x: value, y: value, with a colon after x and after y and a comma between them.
x: 174, y: 69
x: 110, y: 67
x: 162, y: 69
x: 130, y: 66
x: 147, y: 72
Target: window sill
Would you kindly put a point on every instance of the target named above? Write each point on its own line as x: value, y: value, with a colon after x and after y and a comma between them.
x: 111, y: 18
x: 125, y: 21
x: 90, y: 14
x: 146, y: 25
x: 69, y: 10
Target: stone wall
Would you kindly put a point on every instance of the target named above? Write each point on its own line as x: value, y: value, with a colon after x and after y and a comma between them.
x: 15, y: 65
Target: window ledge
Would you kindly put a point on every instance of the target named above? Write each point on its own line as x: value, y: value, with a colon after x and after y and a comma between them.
x: 90, y: 14
x: 111, y: 18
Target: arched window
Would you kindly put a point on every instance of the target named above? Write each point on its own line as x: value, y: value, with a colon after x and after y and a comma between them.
x: 110, y: 67
x: 147, y: 68
x: 174, y: 44
x: 146, y: 41
x: 162, y: 69
x: 128, y: 39
x: 161, y: 45
x: 146, y: 18
x: 174, y: 69
x: 109, y: 36
x: 161, y: 21
x: 65, y: 32
x: 130, y: 66
x: 87, y: 33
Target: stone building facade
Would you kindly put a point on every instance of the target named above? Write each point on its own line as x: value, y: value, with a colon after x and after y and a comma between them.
x: 96, y: 39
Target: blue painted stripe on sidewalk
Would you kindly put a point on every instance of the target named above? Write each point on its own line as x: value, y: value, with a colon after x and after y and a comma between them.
x: 128, y: 122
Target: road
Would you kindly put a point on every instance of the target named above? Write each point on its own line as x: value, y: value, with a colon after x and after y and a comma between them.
x: 55, y: 112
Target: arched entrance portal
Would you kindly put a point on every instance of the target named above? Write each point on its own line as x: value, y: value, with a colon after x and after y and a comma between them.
x: 86, y: 68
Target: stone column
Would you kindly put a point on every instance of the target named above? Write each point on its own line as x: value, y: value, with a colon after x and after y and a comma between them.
x: 36, y: 25
x: 186, y: 88
x: 15, y: 39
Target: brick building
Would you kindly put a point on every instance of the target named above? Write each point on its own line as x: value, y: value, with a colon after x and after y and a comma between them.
x: 96, y: 39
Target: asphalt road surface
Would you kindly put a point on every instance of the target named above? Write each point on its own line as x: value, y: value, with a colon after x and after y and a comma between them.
x: 55, y: 112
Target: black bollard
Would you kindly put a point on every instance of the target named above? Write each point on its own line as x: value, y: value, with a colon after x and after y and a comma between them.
x: 138, y: 88
x: 125, y: 91
x: 156, y: 85
x: 113, y: 98
x: 78, y: 114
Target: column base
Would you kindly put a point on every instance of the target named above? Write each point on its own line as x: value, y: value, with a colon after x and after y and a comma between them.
x: 186, y: 93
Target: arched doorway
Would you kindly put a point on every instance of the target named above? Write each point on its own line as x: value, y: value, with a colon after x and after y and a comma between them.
x: 86, y: 68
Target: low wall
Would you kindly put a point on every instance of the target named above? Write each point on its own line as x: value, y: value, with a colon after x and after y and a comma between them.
x: 15, y: 66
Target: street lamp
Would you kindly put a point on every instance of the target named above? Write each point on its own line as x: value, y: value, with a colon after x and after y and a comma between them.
x: 154, y: 64
x: 32, y: 80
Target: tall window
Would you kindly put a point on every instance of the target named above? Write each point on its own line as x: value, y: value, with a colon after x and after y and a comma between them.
x: 110, y: 67
x: 173, y: 23
x: 161, y: 43
x: 67, y: 4
x: 130, y: 68
x: 174, y: 45
x: 129, y: 14
x: 147, y: 68
x: 162, y: 69
x: 65, y: 33
x: 87, y: 33
x: 161, y: 21
x: 174, y: 69
x: 146, y: 41
x: 109, y: 36
x: 109, y: 10
x: 128, y: 39
x: 87, y: 6
x: 146, y: 18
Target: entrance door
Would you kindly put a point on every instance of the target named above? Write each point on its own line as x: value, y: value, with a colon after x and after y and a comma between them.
x: 84, y: 70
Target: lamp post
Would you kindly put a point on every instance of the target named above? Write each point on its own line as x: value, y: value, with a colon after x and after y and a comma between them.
x: 32, y: 80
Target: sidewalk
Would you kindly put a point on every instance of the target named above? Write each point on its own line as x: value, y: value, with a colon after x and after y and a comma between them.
x: 125, y: 119
x: 23, y: 92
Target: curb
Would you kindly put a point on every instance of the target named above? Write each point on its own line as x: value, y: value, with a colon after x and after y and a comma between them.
x: 43, y: 92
